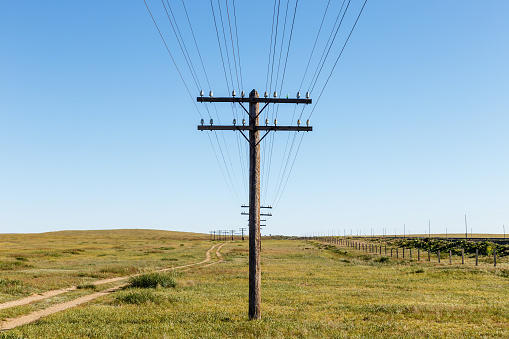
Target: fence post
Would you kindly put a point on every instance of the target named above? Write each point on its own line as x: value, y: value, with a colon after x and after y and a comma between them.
x: 410, y: 254
x: 495, y: 257
x: 439, y: 256
x: 403, y: 253
x: 397, y: 252
x: 429, y: 254
x: 418, y: 254
x: 476, y: 256
x: 462, y: 256
x: 385, y: 249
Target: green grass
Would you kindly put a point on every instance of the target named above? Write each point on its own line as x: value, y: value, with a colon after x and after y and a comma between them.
x: 308, y: 291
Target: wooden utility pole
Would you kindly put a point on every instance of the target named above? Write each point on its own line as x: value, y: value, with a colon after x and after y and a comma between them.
x: 242, y: 229
x: 254, y: 140
x: 255, y: 277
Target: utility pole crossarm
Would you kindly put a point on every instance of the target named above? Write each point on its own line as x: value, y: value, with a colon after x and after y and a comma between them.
x: 254, y: 128
x: 255, y: 100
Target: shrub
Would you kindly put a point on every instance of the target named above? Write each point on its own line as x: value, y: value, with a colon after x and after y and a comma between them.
x: 136, y: 297
x: 152, y: 280
x: 86, y: 287
x: 382, y: 260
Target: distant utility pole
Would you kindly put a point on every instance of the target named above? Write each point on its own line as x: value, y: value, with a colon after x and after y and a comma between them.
x: 429, y: 228
x: 233, y: 231
x: 466, y: 227
x: 242, y: 229
x: 254, y: 173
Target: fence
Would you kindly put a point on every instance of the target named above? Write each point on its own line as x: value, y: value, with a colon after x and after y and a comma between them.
x: 395, y: 250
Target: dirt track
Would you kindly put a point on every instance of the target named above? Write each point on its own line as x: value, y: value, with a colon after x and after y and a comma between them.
x: 25, y: 319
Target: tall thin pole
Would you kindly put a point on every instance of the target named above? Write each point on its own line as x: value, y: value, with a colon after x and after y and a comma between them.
x: 466, y: 227
x: 254, y: 211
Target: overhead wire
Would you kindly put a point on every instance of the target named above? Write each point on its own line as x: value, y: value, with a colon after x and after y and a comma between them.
x: 185, y: 52
x: 330, y: 46
x: 339, y: 56
x: 285, y: 154
x: 314, y: 45
x: 242, y: 155
x: 281, y: 86
x: 233, y: 107
x: 272, y: 135
x: 233, y: 47
x: 269, y: 89
x: 321, y: 92
x: 190, y: 96
x: 238, y: 47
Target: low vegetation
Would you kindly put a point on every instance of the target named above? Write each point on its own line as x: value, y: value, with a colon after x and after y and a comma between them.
x: 153, y: 280
x: 309, y: 290
x: 444, y: 245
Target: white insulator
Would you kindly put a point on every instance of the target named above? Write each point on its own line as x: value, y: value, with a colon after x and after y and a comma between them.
x: 233, y: 93
x: 275, y: 122
x: 298, y: 95
x: 202, y: 122
x: 235, y: 121
x: 266, y: 94
x: 266, y: 122
x: 211, y: 122
x: 307, y: 122
x: 201, y: 93
x: 243, y: 122
x: 275, y: 94
x: 211, y: 94
x: 298, y: 122
x: 243, y: 94
x: 307, y: 95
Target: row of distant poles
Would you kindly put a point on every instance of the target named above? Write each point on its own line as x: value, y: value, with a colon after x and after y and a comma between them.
x: 404, y: 235
x: 229, y: 235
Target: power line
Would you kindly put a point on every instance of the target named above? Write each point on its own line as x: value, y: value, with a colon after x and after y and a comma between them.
x: 314, y: 45
x: 330, y: 46
x: 290, y: 172
x: 238, y: 47
x: 182, y: 46
x: 185, y: 85
x: 271, y: 140
x: 339, y: 56
x: 282, y: 80
x: 196, y: 44
x: 233, y: 47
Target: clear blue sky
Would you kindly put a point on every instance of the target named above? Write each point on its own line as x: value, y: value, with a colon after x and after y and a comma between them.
x: 98, y: 131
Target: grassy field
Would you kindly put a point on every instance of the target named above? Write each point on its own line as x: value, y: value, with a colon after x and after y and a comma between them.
x: 309, y: 290
x: 35, y: 263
